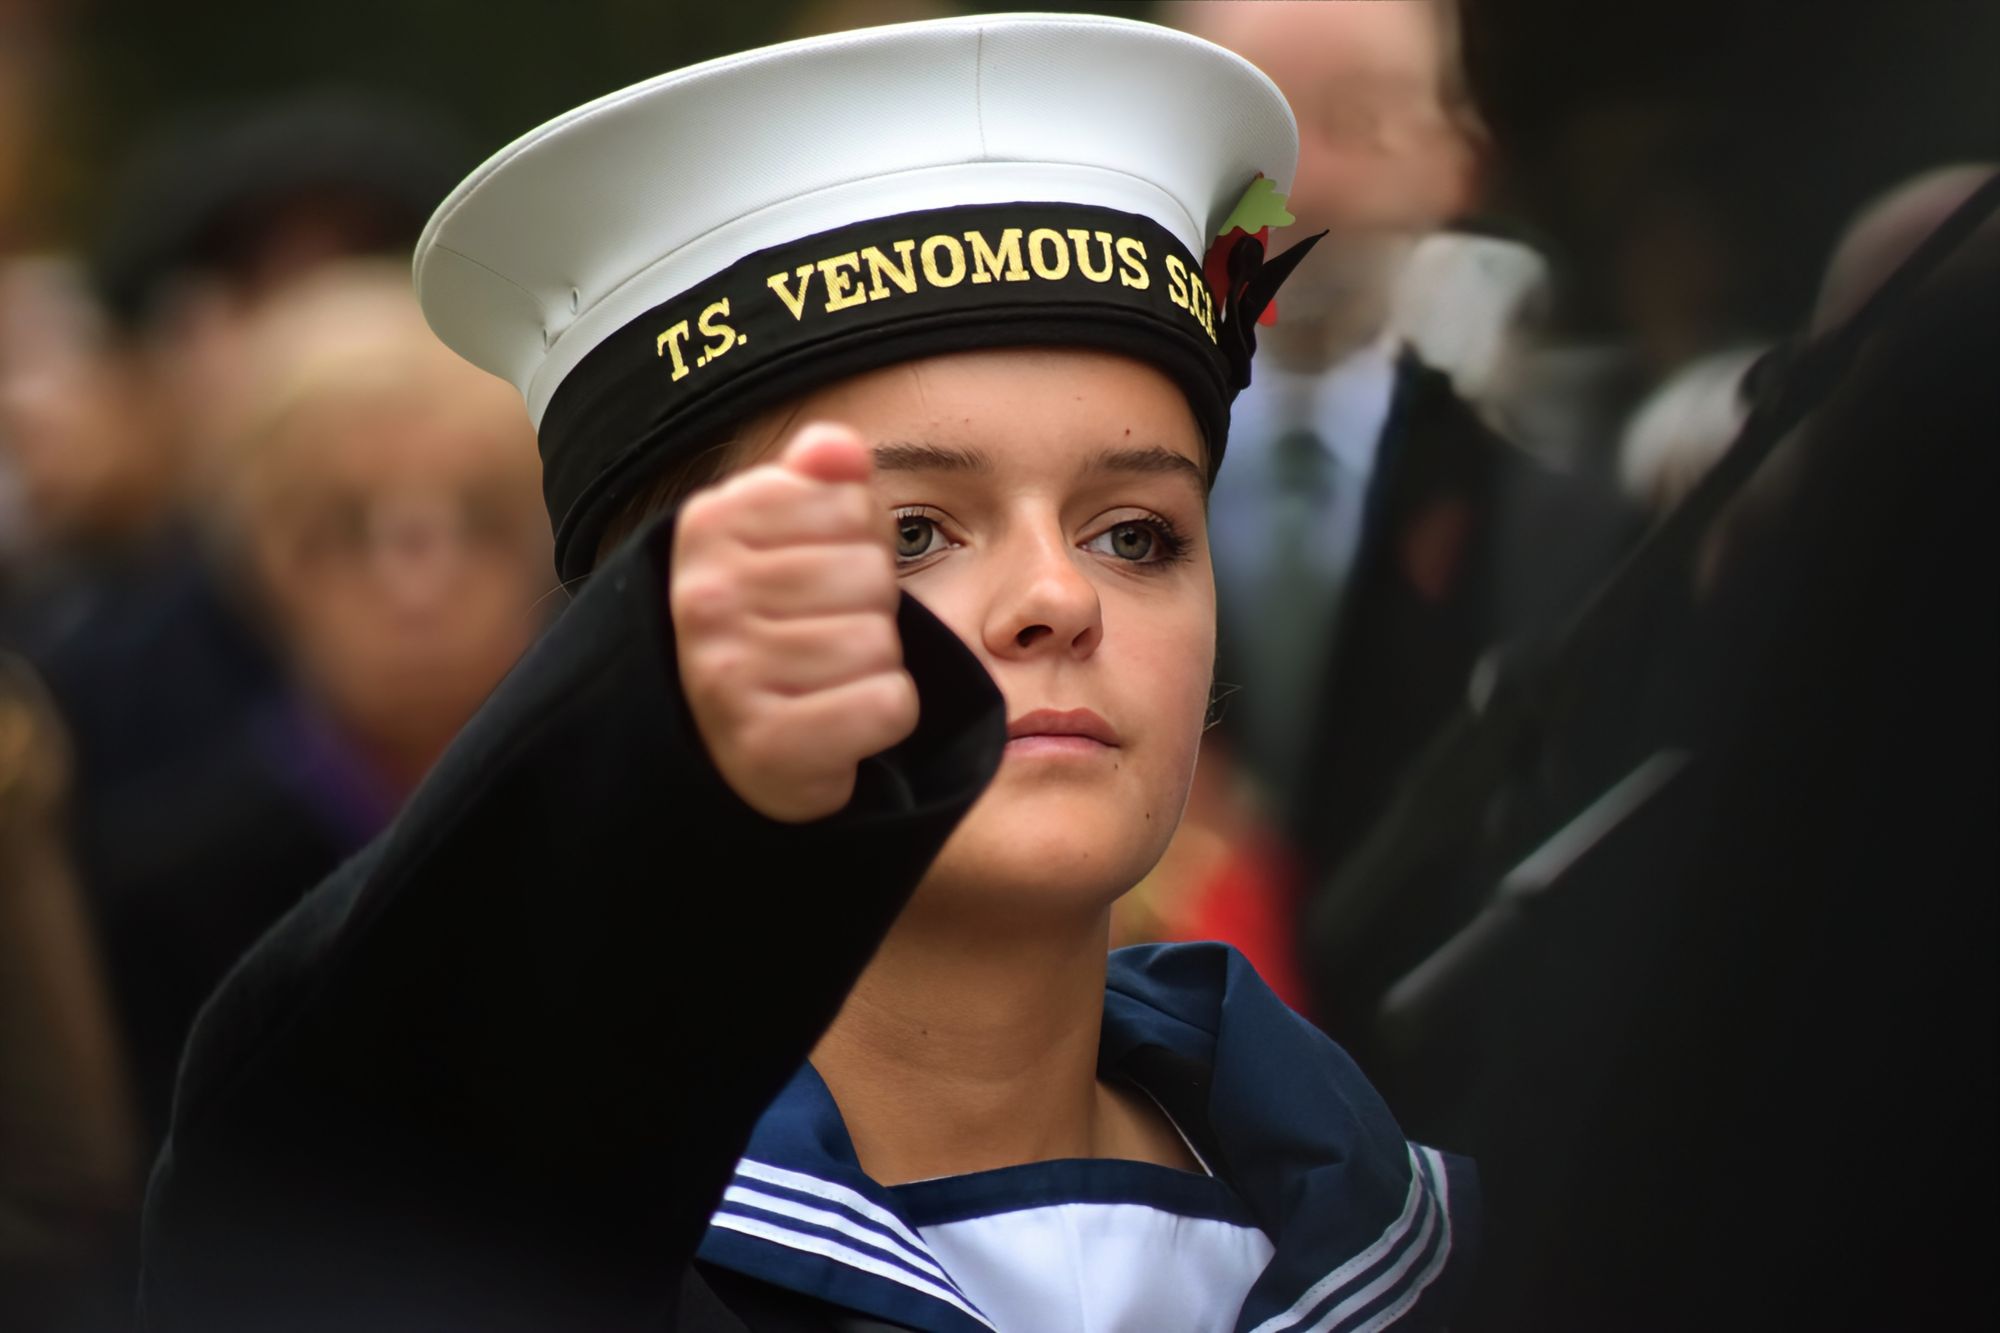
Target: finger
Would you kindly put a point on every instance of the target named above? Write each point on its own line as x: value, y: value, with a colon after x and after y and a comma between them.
x: 803, y: 581
x: 828, y: 451
x: 720, y: 597
x: 796, y: 657
x: 863, y: 717
x: 771, y: 506
x: 845, y: 724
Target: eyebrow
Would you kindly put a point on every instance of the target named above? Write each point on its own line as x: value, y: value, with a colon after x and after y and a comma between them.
x: 1152, y: 460
x: 1149, y: 460
x: 902, y: 457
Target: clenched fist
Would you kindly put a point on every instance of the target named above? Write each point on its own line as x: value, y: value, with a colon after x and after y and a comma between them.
x: 783, y: 596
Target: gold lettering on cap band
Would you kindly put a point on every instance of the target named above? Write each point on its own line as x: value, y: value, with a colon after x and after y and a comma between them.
x: 1050, y: 254
x: 869, y: 294
x: 905, y: 267
x: 882, y: 272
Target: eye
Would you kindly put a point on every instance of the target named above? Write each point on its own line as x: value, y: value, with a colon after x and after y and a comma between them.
x: 917, y: 536
x: 1140, y: 541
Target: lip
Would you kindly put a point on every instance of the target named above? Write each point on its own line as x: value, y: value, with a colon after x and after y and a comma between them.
x: 1075, y: 725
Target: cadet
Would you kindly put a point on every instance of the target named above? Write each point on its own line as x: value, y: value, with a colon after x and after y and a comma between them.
x: 743, y: 963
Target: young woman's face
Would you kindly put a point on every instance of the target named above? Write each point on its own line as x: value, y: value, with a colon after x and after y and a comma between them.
x: 1050, y: 506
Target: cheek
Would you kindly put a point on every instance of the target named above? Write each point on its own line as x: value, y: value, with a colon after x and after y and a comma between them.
x: 287, y: 584
x: 949, y: 592
x: 1166, y: 660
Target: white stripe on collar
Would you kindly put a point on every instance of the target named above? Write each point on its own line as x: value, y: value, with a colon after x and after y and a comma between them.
x: 1413, y: 1291
x: 832, y: 1221
x: 832, y: 1193
x: 1424, y: 1208
x: 839, y: 1195
x: 843, y: 1254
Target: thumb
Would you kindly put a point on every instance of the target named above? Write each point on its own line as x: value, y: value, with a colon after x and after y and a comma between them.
x: 826, y: 451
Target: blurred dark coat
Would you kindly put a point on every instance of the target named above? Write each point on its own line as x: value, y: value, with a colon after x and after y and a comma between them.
x: 194, y: 827
x: 224, y: 840
x: 1733, y: 1066
x: 1467, y: 542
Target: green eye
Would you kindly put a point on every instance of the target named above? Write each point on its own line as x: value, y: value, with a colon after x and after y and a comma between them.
x: 916, y: 536
x: 1138, y: 542
x: 1134, y: 541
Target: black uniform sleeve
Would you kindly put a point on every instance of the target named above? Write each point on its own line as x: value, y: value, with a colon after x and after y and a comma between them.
x: 494, y: 1073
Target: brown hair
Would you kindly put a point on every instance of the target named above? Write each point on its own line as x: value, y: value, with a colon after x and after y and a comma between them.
x: 669, y: 487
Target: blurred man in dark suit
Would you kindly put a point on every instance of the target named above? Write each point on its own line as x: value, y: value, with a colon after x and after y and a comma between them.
x: 1375, y: 536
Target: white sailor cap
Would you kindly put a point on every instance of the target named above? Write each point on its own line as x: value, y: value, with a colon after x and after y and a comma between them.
x: 653, y: 267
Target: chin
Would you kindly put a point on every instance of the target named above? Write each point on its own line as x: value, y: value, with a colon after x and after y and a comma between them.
x: 1027, y: 849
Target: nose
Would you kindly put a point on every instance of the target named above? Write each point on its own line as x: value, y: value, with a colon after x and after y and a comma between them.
x: 1046, y: 603
x: 415, y: 553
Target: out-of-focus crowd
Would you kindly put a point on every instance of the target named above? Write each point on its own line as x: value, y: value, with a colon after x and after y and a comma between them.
x: 269, y: 545
x: 265, y: 545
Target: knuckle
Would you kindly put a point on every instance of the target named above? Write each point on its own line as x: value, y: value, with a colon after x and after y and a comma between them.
x: 756, y: 491
x: 904, y: 704
x: 857, y: 508
x: 701, y: 515
x: 725, y: 668
x: 892, y: 707
x: 703, y: 599
x: 882, y: 646
x: 718, y: 710
x: 875, y: 577
x: 774, y: 486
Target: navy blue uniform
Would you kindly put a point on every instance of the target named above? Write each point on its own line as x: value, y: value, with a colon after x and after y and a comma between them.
x: 499, y: 1071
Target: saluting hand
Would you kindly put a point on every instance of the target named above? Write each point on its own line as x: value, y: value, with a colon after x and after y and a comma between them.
x: 783, y: 598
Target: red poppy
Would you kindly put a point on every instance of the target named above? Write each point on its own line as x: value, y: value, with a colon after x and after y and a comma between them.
x: 1215, y: 267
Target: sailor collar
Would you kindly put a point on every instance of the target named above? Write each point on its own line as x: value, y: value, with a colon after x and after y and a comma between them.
x: 1367, y: 1230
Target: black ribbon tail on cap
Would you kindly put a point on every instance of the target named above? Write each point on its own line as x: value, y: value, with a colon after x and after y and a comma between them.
x: 1254, y: 284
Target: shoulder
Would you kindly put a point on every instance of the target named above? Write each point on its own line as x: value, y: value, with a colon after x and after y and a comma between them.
x: 1366, y: 1224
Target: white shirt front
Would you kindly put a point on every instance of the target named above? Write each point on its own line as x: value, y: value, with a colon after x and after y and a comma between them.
x: 1101, y: 1268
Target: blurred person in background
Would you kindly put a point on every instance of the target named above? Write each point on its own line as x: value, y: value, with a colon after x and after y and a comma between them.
x: 89, y: 475
x: 1378, y: 536
x: 71, y: 1162
x: 112, y: 409
x: 230, y: 207
x: 1884, y: 233
x: 1751, y: 962
x: 381, y: 500
x: 1880, y: 235
x: 205, y: 224
x: 375, y: 505
x: 1683, y: 426
x: 1687, y: 423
